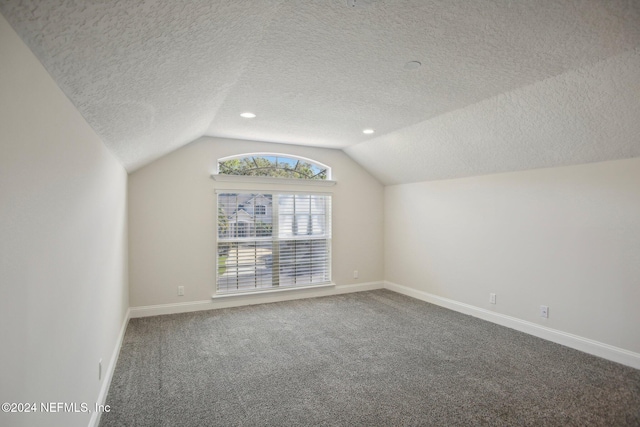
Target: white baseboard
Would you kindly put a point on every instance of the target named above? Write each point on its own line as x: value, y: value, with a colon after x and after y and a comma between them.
x: 108, y: 374
x: 250, y: 299
x: 586, y: 345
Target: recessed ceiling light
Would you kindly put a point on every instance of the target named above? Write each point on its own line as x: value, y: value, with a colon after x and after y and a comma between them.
x: 247, y: 115
x: 412, y: 65
x: 368, y: 131
x: 359, y: 3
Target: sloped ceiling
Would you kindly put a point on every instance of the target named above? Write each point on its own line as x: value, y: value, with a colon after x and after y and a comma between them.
x: 587, y: 115
x: 505, y: 85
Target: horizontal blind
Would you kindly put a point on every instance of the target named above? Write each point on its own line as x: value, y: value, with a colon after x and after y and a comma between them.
x: 272, y: 240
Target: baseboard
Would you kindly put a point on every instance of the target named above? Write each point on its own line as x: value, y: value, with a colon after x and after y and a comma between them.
x: 249, y: 299
x: 586, y: 345
x: 108, y: 374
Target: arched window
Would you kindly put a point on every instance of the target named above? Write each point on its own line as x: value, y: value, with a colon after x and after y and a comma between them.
x: 273, y: 165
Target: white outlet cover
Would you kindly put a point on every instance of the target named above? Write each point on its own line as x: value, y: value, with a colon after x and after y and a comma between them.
x: 544, y: 311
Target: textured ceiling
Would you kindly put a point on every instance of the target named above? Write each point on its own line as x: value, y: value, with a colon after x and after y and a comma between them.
x: 587, y: 115
x: 150, y: 76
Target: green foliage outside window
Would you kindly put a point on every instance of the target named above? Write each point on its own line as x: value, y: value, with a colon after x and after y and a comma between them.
x: 272, y: 166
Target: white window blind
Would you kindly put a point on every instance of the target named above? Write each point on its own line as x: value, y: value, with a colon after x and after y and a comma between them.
x: 272, y: 240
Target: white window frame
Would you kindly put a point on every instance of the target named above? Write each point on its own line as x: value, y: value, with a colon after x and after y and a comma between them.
x: 276, y: 238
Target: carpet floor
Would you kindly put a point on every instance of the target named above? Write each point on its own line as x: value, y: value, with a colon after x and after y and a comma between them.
x: 373, y: 358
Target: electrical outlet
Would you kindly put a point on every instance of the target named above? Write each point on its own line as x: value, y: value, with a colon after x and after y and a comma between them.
x: 180, y: 291
x: 355, y: 274
x: 492, y: 298
x: 544, y: 311
x: 99, y: 369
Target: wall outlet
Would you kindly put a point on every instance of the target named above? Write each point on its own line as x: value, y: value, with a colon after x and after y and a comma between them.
x: 180, y: 291
x: 492, y: 298
x: 544, y: 311
x: 99, y: 369
x: 355, y: 274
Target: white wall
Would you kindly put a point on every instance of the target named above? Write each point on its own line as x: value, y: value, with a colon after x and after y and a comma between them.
x: 172, y: 220
x: 566, y: 237
x: 63, y: 244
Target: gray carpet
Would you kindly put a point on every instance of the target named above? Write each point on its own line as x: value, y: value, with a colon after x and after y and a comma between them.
x: 370, y: 359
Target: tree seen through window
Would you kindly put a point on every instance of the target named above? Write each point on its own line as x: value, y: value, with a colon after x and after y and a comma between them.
x: 272, y: 166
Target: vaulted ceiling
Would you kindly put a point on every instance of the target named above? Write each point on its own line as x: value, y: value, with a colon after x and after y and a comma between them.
x: 504, y: 85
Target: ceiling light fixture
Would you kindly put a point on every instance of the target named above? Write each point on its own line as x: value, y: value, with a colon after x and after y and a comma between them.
x: 247, y: 115
x: 412, y: 65
x: 368, y: 131
x: 357, y: 4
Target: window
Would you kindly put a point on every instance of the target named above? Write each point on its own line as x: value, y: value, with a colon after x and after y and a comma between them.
x: 274, y: 240
x: 273, y: 165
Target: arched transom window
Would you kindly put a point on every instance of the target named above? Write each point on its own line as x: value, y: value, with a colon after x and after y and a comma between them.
x: 273, y: 165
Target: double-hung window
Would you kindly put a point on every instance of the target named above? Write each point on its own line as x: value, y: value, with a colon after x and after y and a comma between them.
x: 272, y: 240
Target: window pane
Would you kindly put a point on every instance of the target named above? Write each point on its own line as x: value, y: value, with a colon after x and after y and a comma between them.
x: 302, y: 215
x: 244, y: 215
x: 244, y: 266
x: 303, y: 262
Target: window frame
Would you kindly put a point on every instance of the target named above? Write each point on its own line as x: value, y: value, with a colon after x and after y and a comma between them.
x: 271, y: 185
x: 275, y: 238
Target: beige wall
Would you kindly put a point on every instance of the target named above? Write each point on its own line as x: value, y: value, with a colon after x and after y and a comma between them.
x: 567, y: 237
x: 63, y: 244
x: 172, y: 219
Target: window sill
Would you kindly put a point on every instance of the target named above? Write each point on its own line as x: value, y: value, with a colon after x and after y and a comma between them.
x: 272, y: 180
x: 272, y: 291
